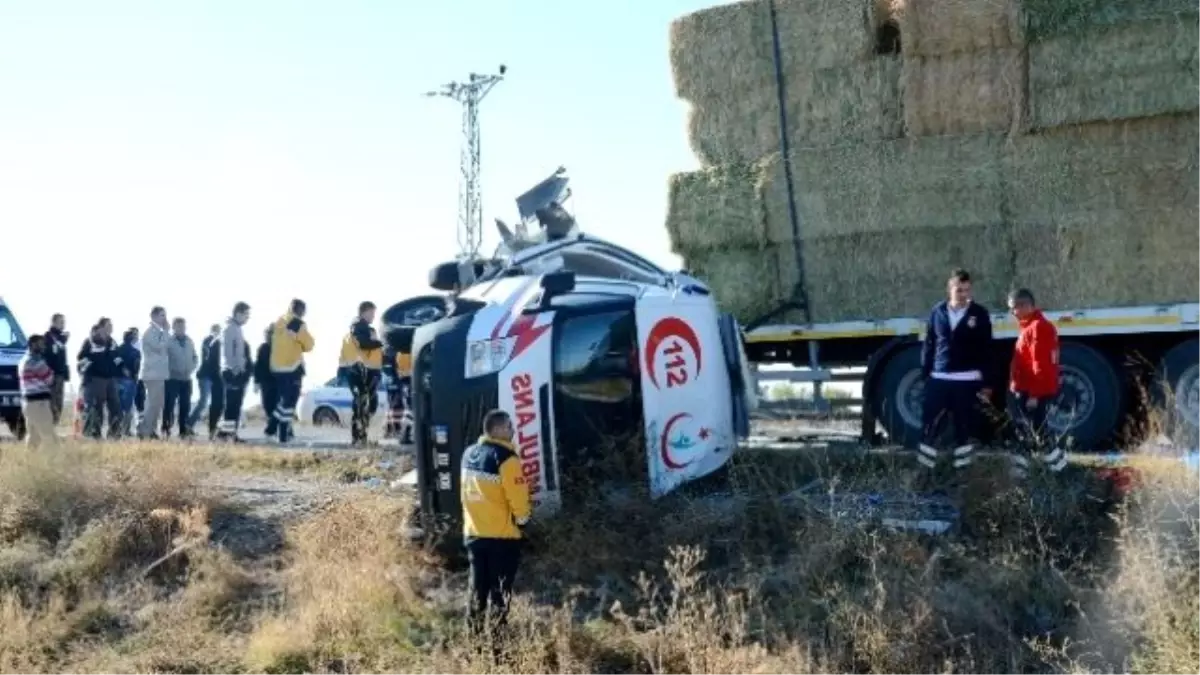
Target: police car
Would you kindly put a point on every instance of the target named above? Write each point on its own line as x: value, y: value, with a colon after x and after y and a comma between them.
x: 330, y: 403
x: 12, y: 348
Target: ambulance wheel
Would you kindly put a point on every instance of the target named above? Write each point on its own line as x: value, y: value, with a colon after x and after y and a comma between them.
x: 1178, y: 393
x: 1091, y: 398
x: 325, y: 417
x: 899, y: 397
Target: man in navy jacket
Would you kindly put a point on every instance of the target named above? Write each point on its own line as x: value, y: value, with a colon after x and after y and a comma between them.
x: 956, y: 360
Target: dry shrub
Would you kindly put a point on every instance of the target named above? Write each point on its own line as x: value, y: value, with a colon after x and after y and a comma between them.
x: 1115, y: 72
x: 937, y: 27
x: 964, y: 93
x: 347, y: 593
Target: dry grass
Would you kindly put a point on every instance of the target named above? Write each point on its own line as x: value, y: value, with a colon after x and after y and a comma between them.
x: 1115, y: 72
x: 1052, y: 577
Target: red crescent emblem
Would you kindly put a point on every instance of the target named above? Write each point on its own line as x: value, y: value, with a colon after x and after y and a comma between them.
x: 665, y: 329
x: 664, y: 443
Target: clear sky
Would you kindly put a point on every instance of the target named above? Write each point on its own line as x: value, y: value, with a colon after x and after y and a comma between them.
x: 193, y: 154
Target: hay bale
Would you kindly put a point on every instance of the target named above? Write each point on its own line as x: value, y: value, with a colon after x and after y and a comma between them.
x: 875, y: 275
x: 939, y: 182
x: 715, y: 208
x: 1122, y: 167
x: 865, y: 275
x: 1045, y: 19
x: 1106, y: 214
x: 745, y: 281
x: 1114, y: 72
x: 855, y: 103
x: 936, y: 27
x: 964, y: 93
x: 1089, y: 259
x: 730, y: 48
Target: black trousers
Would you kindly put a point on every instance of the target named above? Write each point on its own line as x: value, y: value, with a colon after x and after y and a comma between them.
x: 216, y: 405
x: 364, y: 392
x: 178, y: 402
x: 270, y: 399
x: 287, y: 386
x: 958, y: 401
x: 1033, y: 437
x: 100, y: 394
x: 494, y: 565
x: 235, y: 394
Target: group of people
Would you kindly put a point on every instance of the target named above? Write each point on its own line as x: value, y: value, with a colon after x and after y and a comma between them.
x: 958, y: 364
x: 155, y: 378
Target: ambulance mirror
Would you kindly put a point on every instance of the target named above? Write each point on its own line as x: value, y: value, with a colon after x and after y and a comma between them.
x: 557, y: 283
x: 444, y: 277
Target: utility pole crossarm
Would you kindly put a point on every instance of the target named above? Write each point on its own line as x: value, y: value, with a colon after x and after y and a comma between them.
x: 470, y: 193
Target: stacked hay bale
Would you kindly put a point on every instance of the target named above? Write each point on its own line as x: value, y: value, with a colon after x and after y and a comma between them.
x: 971, y: 148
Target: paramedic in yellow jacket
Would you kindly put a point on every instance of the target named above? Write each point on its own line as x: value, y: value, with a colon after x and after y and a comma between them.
x: 362, y: 363
x: 496, y: 505
x: 290, y: 340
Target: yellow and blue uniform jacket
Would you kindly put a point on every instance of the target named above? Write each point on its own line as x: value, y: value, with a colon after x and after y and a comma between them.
x: 361, y: 346
x: 495, y: 498
x: 290, y: 340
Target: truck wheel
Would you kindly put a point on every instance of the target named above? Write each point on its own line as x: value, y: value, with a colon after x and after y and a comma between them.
x: 1091, y: 399
x: 899, y: 397
x: 1179, y: 394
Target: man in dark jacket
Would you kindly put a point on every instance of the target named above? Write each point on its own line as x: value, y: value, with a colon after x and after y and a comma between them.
x: 208, y: 374
x: 127, y: 377
x: 55, y: 353
x: 100, y: 364
x: 956, y: 360
x: 264, y: 382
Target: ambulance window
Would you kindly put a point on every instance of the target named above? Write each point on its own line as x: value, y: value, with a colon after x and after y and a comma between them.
x: 594, y: 357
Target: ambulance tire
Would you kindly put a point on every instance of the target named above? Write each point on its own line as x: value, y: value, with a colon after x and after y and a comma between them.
x: 1091, y: 399
x: 898, y: 397
x: 1177, y: 393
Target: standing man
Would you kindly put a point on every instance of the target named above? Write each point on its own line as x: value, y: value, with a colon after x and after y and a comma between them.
x: 155, y: 371
x: 208, y: 374
x: 1033, y: 381
x: 264, y: 382
x: 496, y: 505
x: 99, y: 363
x: 54, y: 352
x: 181, y: 364
x: 127, y: 378
x: 37, y: 389
x: 235, y: 371
x: 362, y: 361
x: 956, y: 361
x: 290, y: 340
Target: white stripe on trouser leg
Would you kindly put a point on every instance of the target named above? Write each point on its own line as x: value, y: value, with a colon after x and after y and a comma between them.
x: 963, y: 455
x: 1057, y: 460
x: 927, y: 456
x: 227, y: 425
x: 1053, y: 456
x: 1020, y: 466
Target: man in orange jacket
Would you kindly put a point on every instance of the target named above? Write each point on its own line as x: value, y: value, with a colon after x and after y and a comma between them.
x: 1033, y: 379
